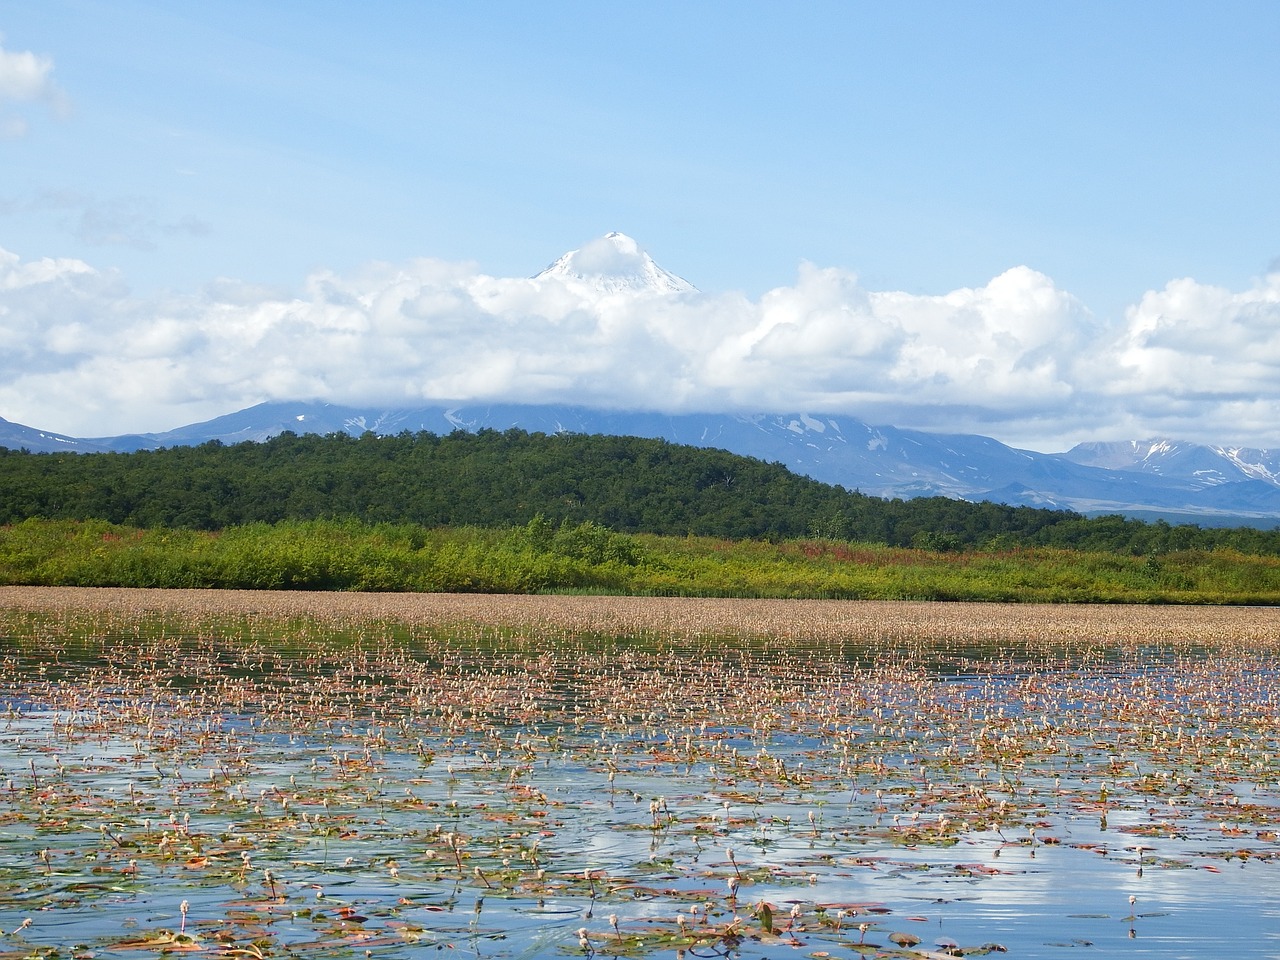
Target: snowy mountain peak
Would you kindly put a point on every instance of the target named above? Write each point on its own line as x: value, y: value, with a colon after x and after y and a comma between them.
x: 614, y: 263
x: 1196, y: 463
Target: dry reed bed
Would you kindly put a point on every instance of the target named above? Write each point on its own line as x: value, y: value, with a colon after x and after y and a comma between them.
x: 810, y: 620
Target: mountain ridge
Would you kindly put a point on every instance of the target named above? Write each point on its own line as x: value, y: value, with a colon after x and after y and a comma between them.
x: 1180, y: 481
x: 1162, y: 454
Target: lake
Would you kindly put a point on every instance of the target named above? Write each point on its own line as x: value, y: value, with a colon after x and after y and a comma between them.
x: 319, y: 775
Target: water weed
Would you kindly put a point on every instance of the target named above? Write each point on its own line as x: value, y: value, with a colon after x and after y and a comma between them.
x: 326, y: 775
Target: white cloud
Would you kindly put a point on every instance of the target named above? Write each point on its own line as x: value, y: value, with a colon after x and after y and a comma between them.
x: 1197, y: 359
x: 1017, y: 358
x: 1005, y: 346
x: 25, y: 77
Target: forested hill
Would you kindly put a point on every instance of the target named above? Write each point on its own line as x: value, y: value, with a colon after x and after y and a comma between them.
x: 486, y: 479
x: 506, y: 478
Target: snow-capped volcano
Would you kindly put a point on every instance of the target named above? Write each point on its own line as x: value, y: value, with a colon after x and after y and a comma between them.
x: 614, y: 263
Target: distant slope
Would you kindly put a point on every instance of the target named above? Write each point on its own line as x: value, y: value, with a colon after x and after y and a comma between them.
x: 15, y: 436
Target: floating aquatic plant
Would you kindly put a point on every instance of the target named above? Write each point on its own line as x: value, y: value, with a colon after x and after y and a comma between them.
x: 499, y: 774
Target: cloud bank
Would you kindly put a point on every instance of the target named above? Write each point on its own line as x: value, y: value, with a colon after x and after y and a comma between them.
x: 1017, y: 358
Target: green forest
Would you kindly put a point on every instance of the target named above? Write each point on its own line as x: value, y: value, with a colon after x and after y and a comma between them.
x: 518, y: 512
x: 500, y: 479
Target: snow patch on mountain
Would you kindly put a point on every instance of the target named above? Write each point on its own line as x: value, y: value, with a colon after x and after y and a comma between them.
x: 811, y: 423
x: 1256, y: 464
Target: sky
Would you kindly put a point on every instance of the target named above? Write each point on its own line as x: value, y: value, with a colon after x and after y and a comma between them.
x: 1044, y: 223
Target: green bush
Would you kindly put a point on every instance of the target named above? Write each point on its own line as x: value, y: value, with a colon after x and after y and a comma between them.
x: 587, y: 557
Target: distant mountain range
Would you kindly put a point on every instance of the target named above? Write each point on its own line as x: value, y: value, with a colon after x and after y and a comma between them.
x: 1156, y: 479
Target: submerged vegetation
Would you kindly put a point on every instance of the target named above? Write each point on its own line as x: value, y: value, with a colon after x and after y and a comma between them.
x: 339, y: 775
x: 540, y: 557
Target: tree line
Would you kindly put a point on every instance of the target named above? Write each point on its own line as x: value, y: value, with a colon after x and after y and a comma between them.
x: 507, y: 478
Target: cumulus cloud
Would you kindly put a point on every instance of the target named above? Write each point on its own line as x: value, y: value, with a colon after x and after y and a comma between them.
x: 1194, y: 356
x: 1017, y: 358
x: 25, y: 77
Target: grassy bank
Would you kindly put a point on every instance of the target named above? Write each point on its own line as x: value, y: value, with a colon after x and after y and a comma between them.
x: 587, y: 558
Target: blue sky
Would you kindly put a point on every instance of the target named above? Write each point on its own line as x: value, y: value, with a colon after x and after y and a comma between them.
x: 859, y: 167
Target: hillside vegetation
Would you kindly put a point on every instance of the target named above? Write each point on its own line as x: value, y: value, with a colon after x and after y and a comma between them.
x: 519, y: 513
x: 500, y: 479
